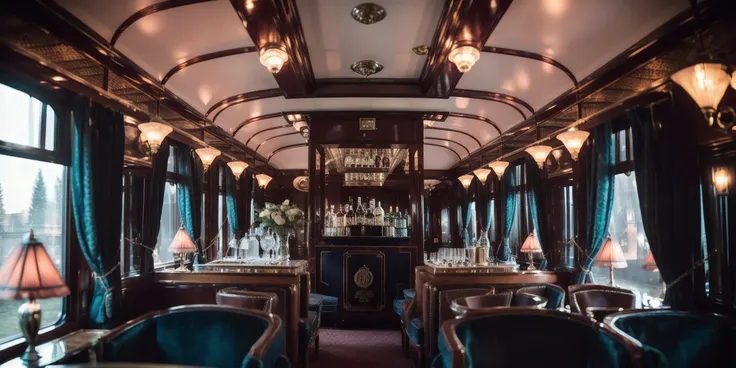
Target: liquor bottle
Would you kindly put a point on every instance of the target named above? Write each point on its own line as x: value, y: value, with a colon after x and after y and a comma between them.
x: 360, y: 214
x: 330, y: 221
x: 390, y: 216
x: 377, y: 162
x: 369, y: 216
x: 350, y: 216
x: 386, y: 160
x: 379, y: 214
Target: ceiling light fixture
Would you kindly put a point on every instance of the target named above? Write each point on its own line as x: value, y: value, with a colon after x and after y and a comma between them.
x: 263, y: 180
x: 207, y: 155
x: 429, y: 123
x: 706, y: 83
x: 466, y: 180
x: 366, y: 68
x: 464, y: 57
x: 273, y: 57
x: 368, y: 13
x: 499, y: 167
x: 539, y: 153
x: 153, y: 134
x: 482, y: 174
x: 237, y: 167
x: 573, y: 140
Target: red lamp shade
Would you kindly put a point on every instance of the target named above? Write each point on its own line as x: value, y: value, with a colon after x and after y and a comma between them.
x: 531, y: 245
x: 182, y: 243
x: 611, y: 255
x: 650, y: 264
x: 29, y: 273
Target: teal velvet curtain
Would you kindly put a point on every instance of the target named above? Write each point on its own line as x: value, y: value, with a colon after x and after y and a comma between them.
x: 597, y: 183
x: 189, y: 195
x: 154, y: 205
x: 506, y: 213
x: 97, y: 174
x: 667, y: 178
x: 535, y: 190
x: 464, y: 209
x: 232, y: 204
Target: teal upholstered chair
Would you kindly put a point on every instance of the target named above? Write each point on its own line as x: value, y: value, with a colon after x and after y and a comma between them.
x: 309, y: 327
x: 526, y: 337
x: 685, y: 339
x: 554, y: 294
x: 200, y: 335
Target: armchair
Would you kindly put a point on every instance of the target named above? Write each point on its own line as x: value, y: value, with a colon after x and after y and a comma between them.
x: 685, y: 339
x: 592, y: 295
x: 241, y: 298
x: 479, y: 304
x: 554, y: 294
x: 520, y: 337
x: 202, y: 335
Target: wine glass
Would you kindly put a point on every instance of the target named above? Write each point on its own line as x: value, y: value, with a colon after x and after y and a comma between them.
x: 244, y: 245
x: 266, y: 245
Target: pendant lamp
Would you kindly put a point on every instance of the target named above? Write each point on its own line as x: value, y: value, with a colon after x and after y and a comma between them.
x: 499, y: 167
x: 207, y: 155
x: 539, y: 153
x: 237, y: 167
x: 482, y: 174
x: 573, y: 140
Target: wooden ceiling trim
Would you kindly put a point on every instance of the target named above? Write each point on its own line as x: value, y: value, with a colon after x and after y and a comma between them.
x: 496, y: 97
x: 151, y: 9
x: 265, y: 130
x: 284, y: 148
x: 277, y: 22
x: 448, y: 140
x: 255, y: 119
x: 462, y: 21
x: 242, y: 98
x: 476, y: 117
x: 533, y: 56
x: 445, y: 147
x: 275, y: 137
x: 455, y: 131
x: 207, y: 57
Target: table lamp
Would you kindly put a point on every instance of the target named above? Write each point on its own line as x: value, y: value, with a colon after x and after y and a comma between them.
x: 29, y: 273
x: 531, y: 245
x: 182, y: 244
x: 649, y: 263
x: 611, y: 256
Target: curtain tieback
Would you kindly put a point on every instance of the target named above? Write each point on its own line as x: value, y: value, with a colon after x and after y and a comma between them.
x: 107, y: 302
x: 687, y: 273
x: 133, y: 242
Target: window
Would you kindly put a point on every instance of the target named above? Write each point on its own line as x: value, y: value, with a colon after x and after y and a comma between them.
x: 33, y: 193
x: 522, y: 224
x: 445, y: 225
x: 170, y: 216
x: 473, y: 228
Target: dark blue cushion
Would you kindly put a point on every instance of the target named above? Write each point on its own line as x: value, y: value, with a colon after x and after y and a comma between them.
x: 555, y: 297
x: 329, y: 303
x: 316, y: 302
x: 686, y: 340
x: 416, y: 331
x: 410, y: 293
x: 398, y: 308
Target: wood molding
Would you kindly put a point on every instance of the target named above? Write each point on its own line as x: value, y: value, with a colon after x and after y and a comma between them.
x: 448, y: 140
x: 242, y: 98
x: 462, y: 21
x: 275, y: 137
x: 255, y: 119
x: 277, y: 22
x: 445, y: 147
x: 476, y: 117
x: 496, y: 97
x: 266, y: 130
x: 455, y: 131
x: 151, y: 9
x: 206, y: 57
x: 270, y: 155
x: 533, y: 56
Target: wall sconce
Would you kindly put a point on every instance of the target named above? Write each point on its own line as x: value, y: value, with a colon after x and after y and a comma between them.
x: 573, y: 140
x: 464, y: 57
x: 722, y: 181
x: 539, y: 154
x: 273, y: 57
x: 482, y: 174
x: 237, y: 167
x: 153, y: 134
x: 499, y: 167
x: 207, y: 155
x: 706, y: 83
x: 263, y: 180
x: 466, y: 180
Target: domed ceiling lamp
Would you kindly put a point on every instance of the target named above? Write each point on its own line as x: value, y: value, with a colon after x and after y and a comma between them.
x: 153, y: 132
x: 573, y: 140
x: 499, y: 167
x: 263, y: 180
x: 207, y: 155
x: 237, y: 167
x: 273, y: 57
x: 299, y: 122
x: 464, y: 57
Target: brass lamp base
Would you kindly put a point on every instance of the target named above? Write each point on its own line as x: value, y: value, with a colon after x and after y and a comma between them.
x: 610, y: 273
x: 30, y: 323
x: 182, y: 268
x: 531, y: 263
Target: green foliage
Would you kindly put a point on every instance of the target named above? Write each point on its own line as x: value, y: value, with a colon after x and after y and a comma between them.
x: 38, y: 202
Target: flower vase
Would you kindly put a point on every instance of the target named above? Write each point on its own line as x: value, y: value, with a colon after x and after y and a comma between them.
x: 282, y: 249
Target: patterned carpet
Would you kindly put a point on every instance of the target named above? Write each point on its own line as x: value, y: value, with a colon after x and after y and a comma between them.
x: 360, y: 349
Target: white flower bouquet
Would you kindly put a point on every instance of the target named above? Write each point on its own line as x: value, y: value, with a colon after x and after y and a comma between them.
x: 280, y: 218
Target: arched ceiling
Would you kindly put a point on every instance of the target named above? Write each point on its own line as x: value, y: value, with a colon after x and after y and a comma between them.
x: 534, y: 51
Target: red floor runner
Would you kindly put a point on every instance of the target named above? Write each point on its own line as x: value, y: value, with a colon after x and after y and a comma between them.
x: 360, y: 349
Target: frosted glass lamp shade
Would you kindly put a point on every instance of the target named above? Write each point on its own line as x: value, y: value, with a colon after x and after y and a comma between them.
x: 207, y: 155
x: 466, y: 180
x: 539, y: 154
x: 153, y: 134
x: 237, y: 167
x: 706, y: 83
x: 263, y: 180
x: 273, y: 58
x: 464, y: 57
x: 499, y: 167
x: 482, y: 174
x: 573, y: 140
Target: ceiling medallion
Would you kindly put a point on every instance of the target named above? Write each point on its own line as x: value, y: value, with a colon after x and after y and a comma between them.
x: 368, y: 13
x: 366, y: 68
x: 421, y: 50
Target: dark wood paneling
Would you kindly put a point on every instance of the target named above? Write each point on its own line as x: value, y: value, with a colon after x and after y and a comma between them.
x: 222, y: 105
x: 341, y: 127
x: 496, y: 97
x: 151, y: 9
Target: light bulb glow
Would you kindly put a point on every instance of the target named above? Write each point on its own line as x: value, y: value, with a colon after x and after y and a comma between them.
x: 153, y: 134
x: 207, y: 155
x: 499, y: 167
x: 721, y: 180
x: 466, y: 180
x: 429, y: 123
x: 237, y: 167
x: 539, y: 154
x: 299, y: 125
x: 263, y: 180
x: 482, y: 174
x: 733, y: 80
x: 706, y: 83
x: 573, y: 140
x: 464, y: 57
x: 273, y: 58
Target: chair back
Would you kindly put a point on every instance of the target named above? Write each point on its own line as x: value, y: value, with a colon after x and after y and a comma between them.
x: 245, y: 299
x: 528, y: 300
x: 554, y: 294
x: 480, y: 304
x: 447, y: 296
x: 592, y: 295
x: 200, y: 335
x: 685, y: 339
x: 520, y: 337
x: 600, y: 313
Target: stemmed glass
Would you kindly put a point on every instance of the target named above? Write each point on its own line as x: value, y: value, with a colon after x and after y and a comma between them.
x: 266, y: 242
